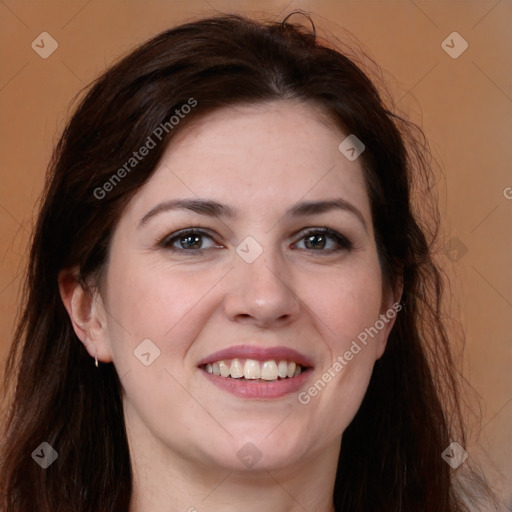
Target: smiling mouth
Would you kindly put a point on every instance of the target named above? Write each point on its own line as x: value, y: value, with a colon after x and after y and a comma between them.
x: 254, y: 370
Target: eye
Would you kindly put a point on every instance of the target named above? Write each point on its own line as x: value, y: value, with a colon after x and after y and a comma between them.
x: 317, y: 239
x: 190, y: 239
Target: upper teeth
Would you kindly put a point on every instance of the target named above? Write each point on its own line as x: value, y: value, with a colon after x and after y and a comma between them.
x: 253, y: 369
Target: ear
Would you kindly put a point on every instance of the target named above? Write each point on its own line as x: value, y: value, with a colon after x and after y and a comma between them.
x: 390, y: 308
x: 87, y: 314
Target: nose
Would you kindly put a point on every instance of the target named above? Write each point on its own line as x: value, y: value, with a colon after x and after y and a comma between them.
x: 261, y: 293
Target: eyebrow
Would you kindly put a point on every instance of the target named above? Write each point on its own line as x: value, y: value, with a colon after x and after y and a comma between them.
x: 215, y: 209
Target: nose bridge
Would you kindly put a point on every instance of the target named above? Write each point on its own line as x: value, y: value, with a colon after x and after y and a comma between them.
x: 261, y: 285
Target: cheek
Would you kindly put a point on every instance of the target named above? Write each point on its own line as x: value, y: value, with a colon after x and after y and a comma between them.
x: 345, y: 307
x: 156, y: 302
x: 344, y: 303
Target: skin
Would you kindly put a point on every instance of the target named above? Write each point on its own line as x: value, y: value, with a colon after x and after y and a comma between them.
x: 183, y: 432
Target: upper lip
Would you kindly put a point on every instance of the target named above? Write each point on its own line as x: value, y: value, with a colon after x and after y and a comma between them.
x: 259, y: 354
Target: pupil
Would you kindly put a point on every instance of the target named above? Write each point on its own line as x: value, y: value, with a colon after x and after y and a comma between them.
x: 313, y: 237
x: 186, y: 239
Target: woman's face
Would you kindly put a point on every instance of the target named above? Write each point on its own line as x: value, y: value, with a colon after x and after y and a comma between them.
x: 256, y: 289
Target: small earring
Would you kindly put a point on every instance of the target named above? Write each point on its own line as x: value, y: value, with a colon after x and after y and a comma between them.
x: 96, y: 360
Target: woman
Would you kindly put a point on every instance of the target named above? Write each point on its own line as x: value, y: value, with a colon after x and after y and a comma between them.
x: 231, y: 302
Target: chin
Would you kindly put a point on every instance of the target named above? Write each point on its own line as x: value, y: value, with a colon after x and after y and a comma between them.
x: 253, y: 453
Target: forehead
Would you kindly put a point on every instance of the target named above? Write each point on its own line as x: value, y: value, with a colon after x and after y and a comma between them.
x: 257, y: 157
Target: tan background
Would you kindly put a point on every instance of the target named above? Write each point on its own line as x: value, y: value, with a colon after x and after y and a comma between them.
x: 464, y: 105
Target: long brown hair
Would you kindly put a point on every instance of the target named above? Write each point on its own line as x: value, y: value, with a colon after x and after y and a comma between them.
x: 390, y: 458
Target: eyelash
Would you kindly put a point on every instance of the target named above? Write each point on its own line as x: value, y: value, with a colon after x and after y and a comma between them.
x: 344, y: 243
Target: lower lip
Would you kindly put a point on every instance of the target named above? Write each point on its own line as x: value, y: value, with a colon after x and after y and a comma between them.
x: 258, y: 389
